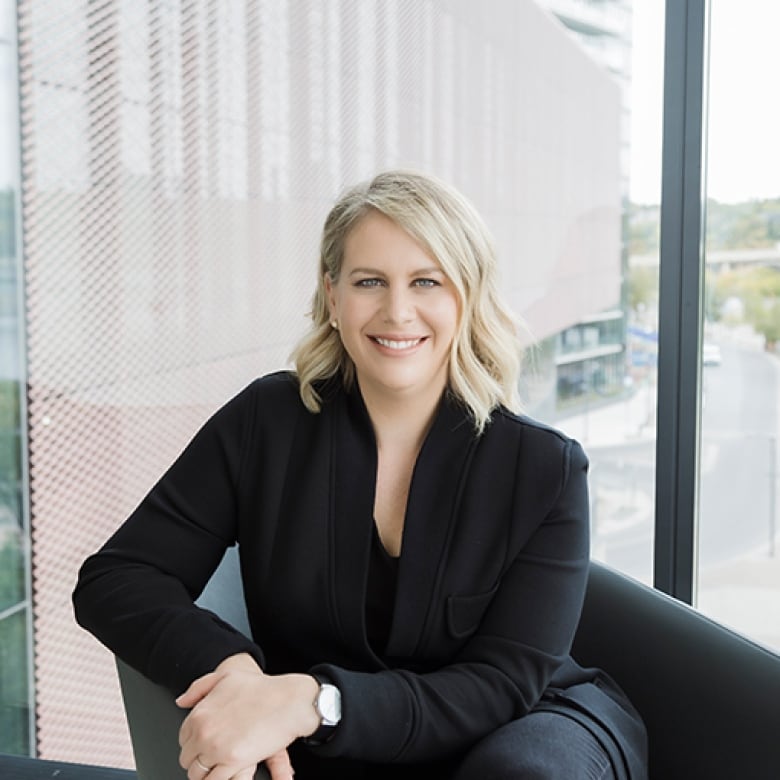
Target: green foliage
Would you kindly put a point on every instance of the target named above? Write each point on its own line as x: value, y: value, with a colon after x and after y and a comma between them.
x: 11, y: 568
x: 754, y: 224
x: 759, y: 290
x: 14, y: 692
x: 7, y: 224
x: 767, y: 322
x: 642, y: 286
x: 9, y: 404
x: 643, y: 229
x: 10, y: 450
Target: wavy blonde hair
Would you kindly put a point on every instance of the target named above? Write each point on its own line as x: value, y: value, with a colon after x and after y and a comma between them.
x: 485, y: 355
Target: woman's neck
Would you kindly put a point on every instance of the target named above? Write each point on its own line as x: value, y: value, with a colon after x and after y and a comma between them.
x: 399, y: 420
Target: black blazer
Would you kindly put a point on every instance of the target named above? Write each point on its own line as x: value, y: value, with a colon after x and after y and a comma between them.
x: 490, y: 586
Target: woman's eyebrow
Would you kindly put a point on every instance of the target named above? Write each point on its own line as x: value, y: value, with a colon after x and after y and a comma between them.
x: 365, y: 270
x: 434, y: 269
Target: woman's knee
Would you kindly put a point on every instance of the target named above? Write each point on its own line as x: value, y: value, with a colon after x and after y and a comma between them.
x: 540, y: 746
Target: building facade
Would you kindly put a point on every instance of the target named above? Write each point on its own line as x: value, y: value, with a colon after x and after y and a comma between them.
x: 591, y: 358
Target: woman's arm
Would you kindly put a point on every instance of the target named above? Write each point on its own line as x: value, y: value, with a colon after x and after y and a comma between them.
x: 136, y: 594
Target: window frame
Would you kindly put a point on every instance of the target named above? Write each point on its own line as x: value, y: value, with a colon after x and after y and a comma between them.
x: 681, y: 298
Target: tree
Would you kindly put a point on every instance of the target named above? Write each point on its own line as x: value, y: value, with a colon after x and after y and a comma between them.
x: 642, y: 286
x: 767, y: 322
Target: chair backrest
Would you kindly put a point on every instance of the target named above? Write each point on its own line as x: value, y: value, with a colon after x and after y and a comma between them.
x: 710, y: 698
x: 152, y: 717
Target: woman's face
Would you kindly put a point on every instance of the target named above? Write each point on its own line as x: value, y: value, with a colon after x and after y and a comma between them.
x: 396, y: 311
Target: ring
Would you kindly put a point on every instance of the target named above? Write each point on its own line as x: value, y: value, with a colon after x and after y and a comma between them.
x: 206, y: 769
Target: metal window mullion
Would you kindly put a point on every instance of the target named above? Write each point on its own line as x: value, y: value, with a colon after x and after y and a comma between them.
x: 680, y: 298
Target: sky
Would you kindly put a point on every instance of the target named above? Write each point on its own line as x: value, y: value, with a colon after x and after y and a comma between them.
x: 744, y: 112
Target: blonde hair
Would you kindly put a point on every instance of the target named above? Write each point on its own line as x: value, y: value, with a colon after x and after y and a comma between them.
x: 485, y: 355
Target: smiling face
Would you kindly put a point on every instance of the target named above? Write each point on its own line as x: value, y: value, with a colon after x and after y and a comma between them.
x: 397, y: 312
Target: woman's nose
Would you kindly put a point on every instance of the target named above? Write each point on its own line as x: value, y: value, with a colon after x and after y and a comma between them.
x: 398, y: 305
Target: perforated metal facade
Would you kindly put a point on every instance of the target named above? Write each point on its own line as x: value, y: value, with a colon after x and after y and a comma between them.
x: 178, y: 160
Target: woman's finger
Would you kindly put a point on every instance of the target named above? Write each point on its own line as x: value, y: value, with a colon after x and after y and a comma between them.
x: 245, y: 774
x: 279, y: 766
x: 197, y: 690
x: 199, y: 770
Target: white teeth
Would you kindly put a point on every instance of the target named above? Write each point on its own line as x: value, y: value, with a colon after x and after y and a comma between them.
x: 397, y: 344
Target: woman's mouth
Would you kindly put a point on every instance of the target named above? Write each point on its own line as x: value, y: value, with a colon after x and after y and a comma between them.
x: 397, y: 344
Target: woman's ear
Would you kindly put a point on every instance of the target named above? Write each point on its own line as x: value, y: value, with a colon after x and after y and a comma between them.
x: 330, y: 294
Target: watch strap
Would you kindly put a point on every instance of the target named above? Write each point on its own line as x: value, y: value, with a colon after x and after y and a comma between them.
x: 325, y: 730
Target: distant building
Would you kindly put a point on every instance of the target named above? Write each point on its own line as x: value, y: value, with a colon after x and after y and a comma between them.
x: 590, y: 356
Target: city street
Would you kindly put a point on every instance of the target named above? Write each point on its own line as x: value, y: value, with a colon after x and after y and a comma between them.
x: 739, y: 446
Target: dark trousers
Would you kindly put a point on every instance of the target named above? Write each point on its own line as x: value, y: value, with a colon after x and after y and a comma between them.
x: 540, y: 746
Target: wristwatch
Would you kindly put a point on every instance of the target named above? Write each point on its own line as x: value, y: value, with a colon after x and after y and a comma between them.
x: 327, y: 704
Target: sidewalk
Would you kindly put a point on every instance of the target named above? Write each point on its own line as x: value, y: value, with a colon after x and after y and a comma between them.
x: 627, y: 421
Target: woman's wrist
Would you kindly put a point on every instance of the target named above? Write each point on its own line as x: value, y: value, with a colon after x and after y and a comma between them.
x: 306, y: 689
x: 300, y: 692
x: 240, y: 662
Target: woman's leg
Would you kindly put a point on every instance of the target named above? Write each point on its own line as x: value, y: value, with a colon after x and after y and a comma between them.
x: 540, y: 746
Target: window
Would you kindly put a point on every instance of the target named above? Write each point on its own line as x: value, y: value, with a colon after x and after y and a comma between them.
x: 739, y: 563
x: 15, y: 619
x: 605, y: 360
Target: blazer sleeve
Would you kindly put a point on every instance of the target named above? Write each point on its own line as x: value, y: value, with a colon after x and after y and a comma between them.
x: 503, y: 670
x: 136, y: 593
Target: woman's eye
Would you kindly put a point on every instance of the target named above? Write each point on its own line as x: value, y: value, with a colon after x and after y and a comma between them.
x: 426, y: 283
x: 368, y: 282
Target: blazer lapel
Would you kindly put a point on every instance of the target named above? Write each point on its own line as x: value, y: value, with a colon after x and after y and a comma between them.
x: 354, y: 486
x: 431, y: 512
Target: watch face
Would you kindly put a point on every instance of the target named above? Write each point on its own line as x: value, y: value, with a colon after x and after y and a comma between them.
x: 329, y: 704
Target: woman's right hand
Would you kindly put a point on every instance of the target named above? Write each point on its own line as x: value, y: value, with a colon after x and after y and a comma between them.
x: 241, y: 717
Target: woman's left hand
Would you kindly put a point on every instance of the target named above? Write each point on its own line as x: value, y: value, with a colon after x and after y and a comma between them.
x: 241, y: 716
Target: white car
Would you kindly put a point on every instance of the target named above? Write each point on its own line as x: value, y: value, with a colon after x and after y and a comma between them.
x: 710, y: 354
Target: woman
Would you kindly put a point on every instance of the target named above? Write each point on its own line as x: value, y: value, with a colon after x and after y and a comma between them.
x: 414, y: 553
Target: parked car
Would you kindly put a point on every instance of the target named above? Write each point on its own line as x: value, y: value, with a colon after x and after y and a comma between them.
x: 710, y: 354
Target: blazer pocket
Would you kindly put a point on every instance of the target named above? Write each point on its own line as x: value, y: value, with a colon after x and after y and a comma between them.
x: 464, y: 613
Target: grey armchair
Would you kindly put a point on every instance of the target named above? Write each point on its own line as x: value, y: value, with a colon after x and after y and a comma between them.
x: 710, y: 698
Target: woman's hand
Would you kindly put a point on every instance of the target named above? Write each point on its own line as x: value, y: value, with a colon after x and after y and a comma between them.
x: 241, y: 716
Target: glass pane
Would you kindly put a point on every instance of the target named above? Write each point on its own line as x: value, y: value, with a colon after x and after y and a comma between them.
x: 739, y: 566
x: 12, y: 589
x: 15, y: 699
x: 601, y: 367
x: 14, y: 694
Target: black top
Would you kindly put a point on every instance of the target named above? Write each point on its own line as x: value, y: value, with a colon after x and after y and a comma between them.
x: 380, y: 594
x: 489, y: 589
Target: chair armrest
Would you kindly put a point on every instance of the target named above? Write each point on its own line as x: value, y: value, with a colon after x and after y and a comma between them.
x: 709, y: 697
x: 154, y: 721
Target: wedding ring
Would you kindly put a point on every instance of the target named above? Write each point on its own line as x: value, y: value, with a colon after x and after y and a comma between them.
x: 206, y: 769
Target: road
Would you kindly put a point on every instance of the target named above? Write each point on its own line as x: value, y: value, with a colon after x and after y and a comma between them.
x: 740, y: 423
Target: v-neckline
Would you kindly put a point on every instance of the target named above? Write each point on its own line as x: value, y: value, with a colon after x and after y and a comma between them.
x: 432, y: 504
